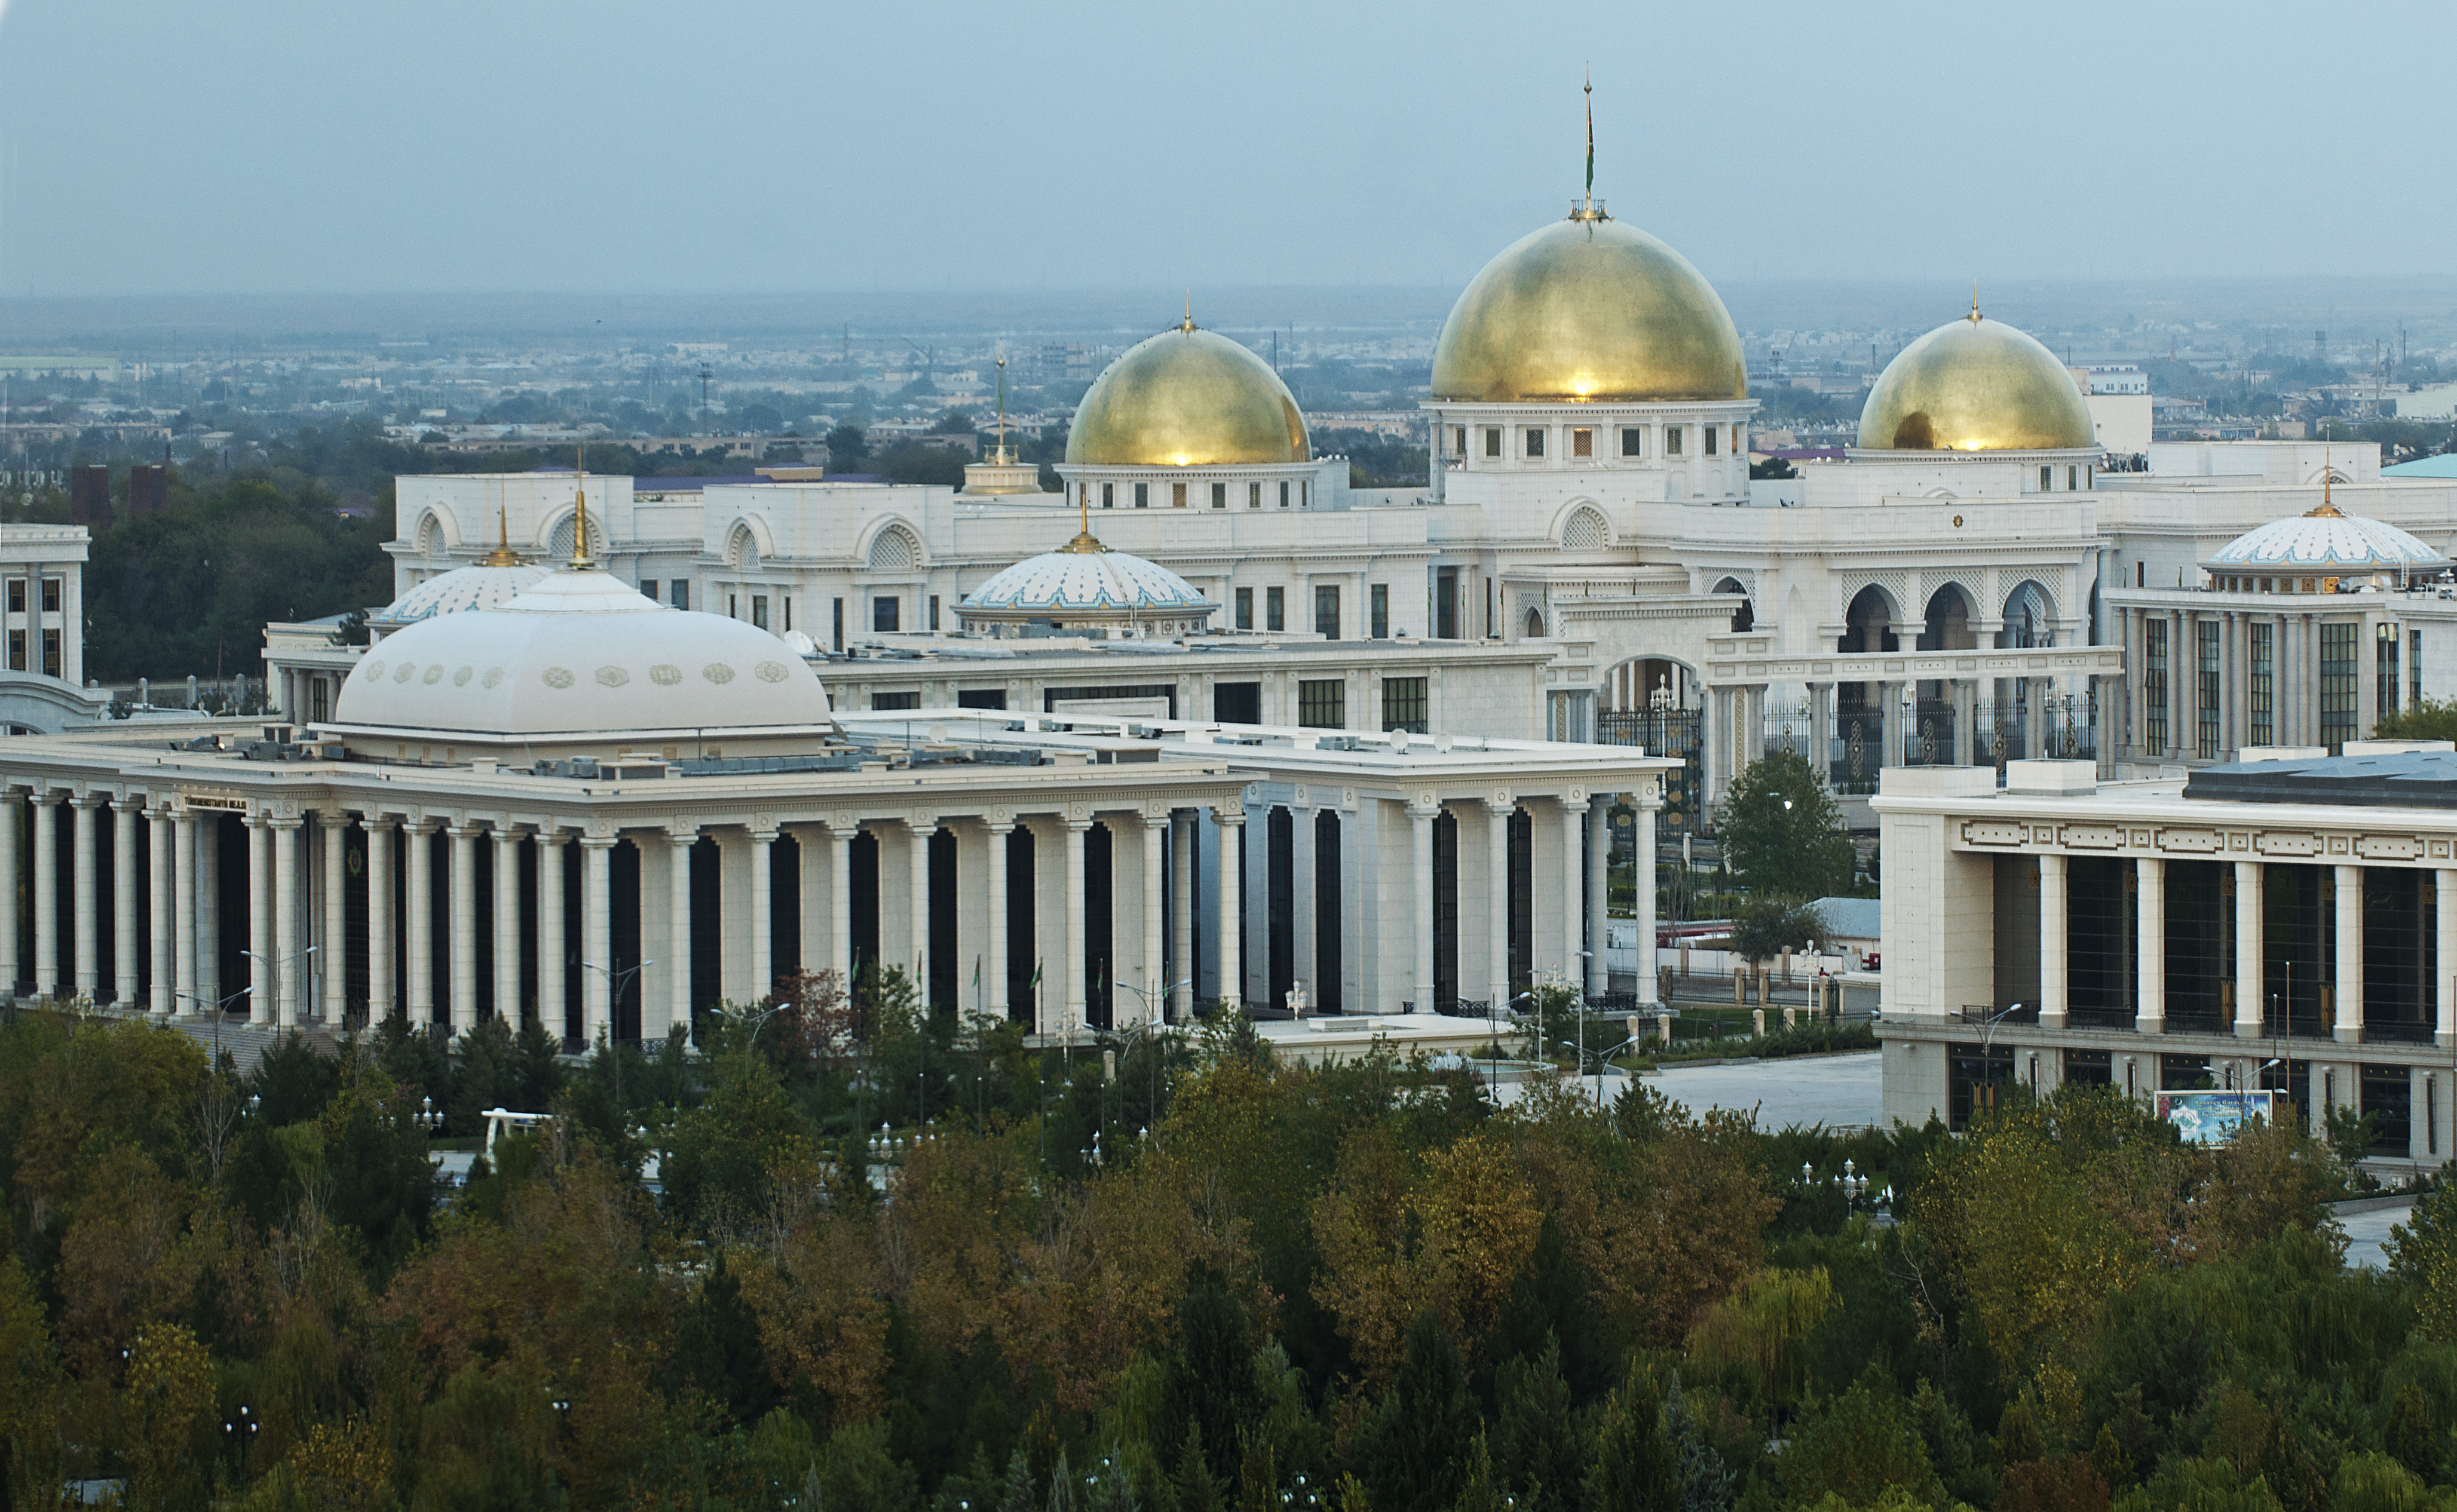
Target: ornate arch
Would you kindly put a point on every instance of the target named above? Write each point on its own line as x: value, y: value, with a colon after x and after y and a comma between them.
x: 436, y: 533
x: 748, y: 541
x: 895, y: 546
x: 558, y: 537
x: 1582, y: 527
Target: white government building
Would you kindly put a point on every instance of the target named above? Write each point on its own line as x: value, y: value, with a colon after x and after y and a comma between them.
x: 544, y: 795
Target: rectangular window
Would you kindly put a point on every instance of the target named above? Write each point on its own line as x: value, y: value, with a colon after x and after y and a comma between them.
x: 51, y: 653
x: 2046, y: 474
x: 2205, y: 634
x: 1253, y: 496
x: 1491, y: 442
x: 16, y: 596
x: 2384, y: 670
x: 1459, y: 440
x: 788, y: 613
x: 1325, y: 610
x: 934, y: 611
x: 1736, y: 441
x: 2414, y: 667
x: 2073, y: 479
x: 2260, y: 692
x: 1710, y: 440
x: 1276, y: 609
x: 1245, y: 608
x: 16, y: 650
x: 1305, y: 494
x: 1108, y: 495
x: 1404, y: 706
x: 884, y: 614
x: 894, y: 701
x: 1672, y: 441
x: 1633, y: 441
x: 649, y: 589
x: 2154, y: 687
x: 680, y: 589
x: 51, y: 595
x: 1322, y: 704
x: 980, y: 697
x: 2338, y: 693
x: 759, y: 610
x: 835, y: 637
x: 1177, y: 496
x: 1534, y: 440
x: 1219, y: 496
x: 1143, y: 495
x: 733, y: 606
x: 1380, y: 598
x: 1582, y: 443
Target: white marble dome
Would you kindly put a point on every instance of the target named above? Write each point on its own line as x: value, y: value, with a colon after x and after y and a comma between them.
x: 2325, y: 543
x: 579, y: 653
x: 1087, y: 586
x: 479, y: 587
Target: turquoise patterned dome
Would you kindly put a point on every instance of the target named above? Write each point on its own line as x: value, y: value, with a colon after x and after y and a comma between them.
x: 481, y: 587
x: 1088, y: 587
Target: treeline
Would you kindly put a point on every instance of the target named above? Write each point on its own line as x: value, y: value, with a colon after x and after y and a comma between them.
x: 1159, y: 1274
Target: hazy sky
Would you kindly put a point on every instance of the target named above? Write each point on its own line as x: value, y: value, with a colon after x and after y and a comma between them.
x: 167, y: 145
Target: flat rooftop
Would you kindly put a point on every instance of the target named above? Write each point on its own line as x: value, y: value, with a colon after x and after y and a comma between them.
x: 2414, y: 779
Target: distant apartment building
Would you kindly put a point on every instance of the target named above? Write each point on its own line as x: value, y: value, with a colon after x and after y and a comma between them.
x: 2118, y: 396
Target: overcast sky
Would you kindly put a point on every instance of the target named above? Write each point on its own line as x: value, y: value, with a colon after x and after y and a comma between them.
x: 277, y: 145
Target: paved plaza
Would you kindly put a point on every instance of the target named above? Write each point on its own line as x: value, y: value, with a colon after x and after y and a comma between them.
x: 1837, y: 1091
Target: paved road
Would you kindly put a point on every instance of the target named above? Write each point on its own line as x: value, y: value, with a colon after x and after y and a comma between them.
x: 2367, y: 1232
x: 1836, y: 1091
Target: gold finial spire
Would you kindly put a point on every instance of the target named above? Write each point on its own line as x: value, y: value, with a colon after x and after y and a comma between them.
x: 581, y: 561
x: 1085, y: 540
x: 1974, y: 301
x: 1001, y: 401
x: 503, y: 556
x: 1585, y: 207
x: 2325, y: 510
x: 1190, y: 312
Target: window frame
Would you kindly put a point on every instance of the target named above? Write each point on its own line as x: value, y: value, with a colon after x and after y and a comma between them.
x: 1378, y: 600
x: 1532, y: 442
x: 888, y: 607
x: 1244, y: 601
x: 1322, y: 703
x: 1407, y: 703
x: 1326, y: 609
x: 1276, y: 609
x: 1633, y: 441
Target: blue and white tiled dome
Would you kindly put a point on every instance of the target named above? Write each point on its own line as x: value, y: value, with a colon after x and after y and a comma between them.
x: 1086, y: 586
x: 2326, y: 543
x: 479, y: 587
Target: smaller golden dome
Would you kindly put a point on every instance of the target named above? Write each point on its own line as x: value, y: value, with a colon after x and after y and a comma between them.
x: 1188, y: 397
x: 1976, y: 385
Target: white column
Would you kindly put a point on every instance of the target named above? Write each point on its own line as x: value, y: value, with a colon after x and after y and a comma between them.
x: 994, y: 970
x: 763, y: 904
x: 1421, y: 823
x: 47, y: 894
x: 2350, y: 951
x: 333, y: 955
x: 2445, y: 925
x: 183, y: 918
x: 1232, y: 823
x: 2249, y: 947
x: 918, y: 830
x: 379, y: 918
x: 260, y: 920
x: 508, y: 925
x: 841, y: 904
x: 2150, y: 1006
x: 1496, y: 898
x: 1180, y: 882
x: 461, y: 941
x: 9, y: 891
x: 550, y: 981
x: 286, y: 943
x: 597, y: 937
x: 1650, y: 803
x: 86, y: 945
x: 1598, y: 891
x: 1071, y: 1015
x: 2056, y: 995
x: 1574, y: 887
x: 161, y: 910
x: 1301, y: 887
x: 678, y: 926
x: 1154, y: 962
x: 419, y: 877
x: 124, y: 884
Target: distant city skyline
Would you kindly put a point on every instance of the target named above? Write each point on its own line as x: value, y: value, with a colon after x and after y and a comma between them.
x: 285, y: 147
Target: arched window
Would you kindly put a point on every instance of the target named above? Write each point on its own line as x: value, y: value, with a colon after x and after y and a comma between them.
x: 893, y: 550
x: 1535, y: 629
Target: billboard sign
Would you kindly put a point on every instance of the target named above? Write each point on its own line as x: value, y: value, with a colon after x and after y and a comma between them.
x: 2213, y: 1117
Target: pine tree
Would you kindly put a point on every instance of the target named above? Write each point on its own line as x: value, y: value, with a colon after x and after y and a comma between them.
x: 1016, y: 1496
x: 1706, y: 1485
x: 1196, y: 1489
x: 1536, y: 1447
x: 1414, y: 1451
x: 1635, y: 1469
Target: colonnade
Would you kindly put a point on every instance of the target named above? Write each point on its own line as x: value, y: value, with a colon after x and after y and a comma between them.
x: 2211, y: 681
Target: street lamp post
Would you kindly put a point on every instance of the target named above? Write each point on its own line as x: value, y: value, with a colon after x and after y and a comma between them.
x: 615, y: 982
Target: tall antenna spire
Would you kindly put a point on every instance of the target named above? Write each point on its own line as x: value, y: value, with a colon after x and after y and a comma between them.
x: 2327, y: 509
x: 1974, y: 301
x: 1002, y: 419
x: 1586, y: 207
x: 503, y: 555
x: 581, y: 561
x: 1189, y: 311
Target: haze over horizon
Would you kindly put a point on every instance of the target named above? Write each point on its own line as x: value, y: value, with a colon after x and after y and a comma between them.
x: 150, y: 149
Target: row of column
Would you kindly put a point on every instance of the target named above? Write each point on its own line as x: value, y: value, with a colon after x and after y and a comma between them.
x: 2292, y: 665
x: 184, y: 933
x: 1736, y: 734
x: 1586, y: 852
x: 2150, y: 1000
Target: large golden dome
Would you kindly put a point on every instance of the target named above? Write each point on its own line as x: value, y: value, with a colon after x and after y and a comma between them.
x: 1976, y: 385
x: 1589, y: 309
x: 1188, y: 399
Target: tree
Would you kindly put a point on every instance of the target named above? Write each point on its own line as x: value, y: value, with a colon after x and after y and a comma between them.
x: 848, y: 446
x: 1413, y: 1450
x: 1770, y: 924
x: 2423, y: 1252
x: 2202, y: 1486
x: 1783, y: 833
x: 2424, y: 719
x: 1637, y: 1467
